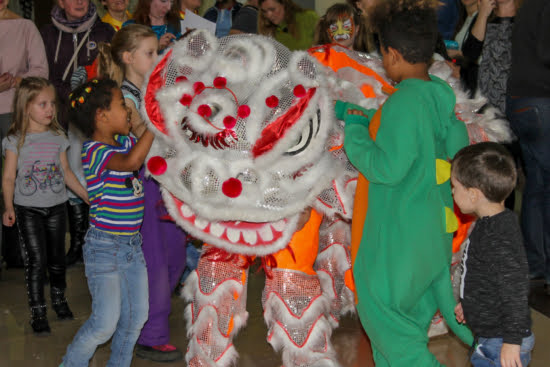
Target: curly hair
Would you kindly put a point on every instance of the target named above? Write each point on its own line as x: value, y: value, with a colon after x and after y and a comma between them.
x: 87, y: 99
x: 408, y: 26
x: 488, y: 167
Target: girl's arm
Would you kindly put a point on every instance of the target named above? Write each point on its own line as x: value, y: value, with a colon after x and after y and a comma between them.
x: 132, y: 161
x: 138, y: 126
x: 8, y: 187
x: 70, y: 179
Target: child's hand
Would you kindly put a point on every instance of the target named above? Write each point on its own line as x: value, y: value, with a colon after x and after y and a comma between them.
x: 344, y: 109
x: 459, y: 313
x: 509, y: 355
x: 8, y: 219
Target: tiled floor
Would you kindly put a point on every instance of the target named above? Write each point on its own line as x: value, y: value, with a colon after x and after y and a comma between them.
x: 20, y: 348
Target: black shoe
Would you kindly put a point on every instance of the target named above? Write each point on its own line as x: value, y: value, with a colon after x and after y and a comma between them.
x: 159, y: 353
x: 39, y: 320
x: 60, y: 305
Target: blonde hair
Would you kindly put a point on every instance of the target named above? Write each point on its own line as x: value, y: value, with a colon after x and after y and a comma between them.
x: 109, y: 62
x: 26, y: 93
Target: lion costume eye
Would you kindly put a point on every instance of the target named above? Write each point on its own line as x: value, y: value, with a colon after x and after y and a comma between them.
x: 303, y: 141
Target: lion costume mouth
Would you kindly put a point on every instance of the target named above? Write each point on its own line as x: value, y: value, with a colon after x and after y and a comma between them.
x: 252, y: 235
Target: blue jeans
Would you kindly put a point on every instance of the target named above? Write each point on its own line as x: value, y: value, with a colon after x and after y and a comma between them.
x: 530, y: 121
x: 117, y: 279
x: 487, y: 353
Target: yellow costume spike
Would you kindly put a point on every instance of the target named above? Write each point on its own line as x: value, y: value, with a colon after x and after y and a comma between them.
x: 442, y: 171
x: 451, y: 220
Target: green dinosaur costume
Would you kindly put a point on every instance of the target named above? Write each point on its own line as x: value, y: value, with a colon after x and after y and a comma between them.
x: 401, y: 269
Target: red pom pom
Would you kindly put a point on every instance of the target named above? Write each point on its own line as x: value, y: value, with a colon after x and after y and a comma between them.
x: 272, y: 101
x: 198, y: 87
x: 232, y: 187
x: 186, y: 99
x: 181, y: 78
x: 157, y: 165
x: 220, y: 82
x: 204, y: 110
x: 299, y: 91
x: 243, y: 111
x: 229, y: 122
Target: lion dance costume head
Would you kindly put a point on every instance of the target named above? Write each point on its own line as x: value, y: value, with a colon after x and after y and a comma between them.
x: 246, y: 141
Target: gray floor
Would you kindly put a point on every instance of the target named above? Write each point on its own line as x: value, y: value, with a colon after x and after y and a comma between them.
x: 19, y: 347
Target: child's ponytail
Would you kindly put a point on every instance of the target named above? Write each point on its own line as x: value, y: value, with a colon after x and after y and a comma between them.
x: 110, y: 59
x: 107, y: 66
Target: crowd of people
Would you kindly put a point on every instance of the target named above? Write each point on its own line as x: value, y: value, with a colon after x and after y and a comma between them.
x: 74, y: 143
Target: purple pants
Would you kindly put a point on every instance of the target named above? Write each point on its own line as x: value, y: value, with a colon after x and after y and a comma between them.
x: 164, y: 250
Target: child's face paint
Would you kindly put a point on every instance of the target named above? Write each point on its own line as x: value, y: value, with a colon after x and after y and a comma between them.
x: 343, y: 31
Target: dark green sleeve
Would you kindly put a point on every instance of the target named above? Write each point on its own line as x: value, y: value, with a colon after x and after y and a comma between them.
x: 388, y: 159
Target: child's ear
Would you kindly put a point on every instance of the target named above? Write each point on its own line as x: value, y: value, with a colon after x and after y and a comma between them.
x: 127, y: 57
x: 100, y: 115
x: 475, y: 194
x: 395, y: 56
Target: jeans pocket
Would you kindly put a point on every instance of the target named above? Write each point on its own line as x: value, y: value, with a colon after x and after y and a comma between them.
x: 100, y: 257
x: 528, y: 343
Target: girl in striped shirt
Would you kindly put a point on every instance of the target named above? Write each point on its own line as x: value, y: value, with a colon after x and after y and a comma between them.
x: 113, y: 259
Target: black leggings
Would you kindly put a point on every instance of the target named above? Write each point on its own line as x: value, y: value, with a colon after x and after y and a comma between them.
x: 42, y: 235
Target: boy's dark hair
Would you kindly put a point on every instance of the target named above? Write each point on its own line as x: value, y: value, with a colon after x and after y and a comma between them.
x: 488, y: 167
x: 86, y: 99
x: 409, y: 26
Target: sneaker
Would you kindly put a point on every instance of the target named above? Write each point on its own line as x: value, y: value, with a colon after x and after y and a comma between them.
x: 159, y: 353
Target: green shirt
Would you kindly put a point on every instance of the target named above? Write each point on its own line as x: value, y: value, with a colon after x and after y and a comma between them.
x: 305, y: 28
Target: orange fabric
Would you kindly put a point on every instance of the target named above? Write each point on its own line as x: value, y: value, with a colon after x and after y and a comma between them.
x: 464, y: 223
x: 361, y: 199
x: 304, y: 245
x: 360, y: 205
x: 337, y: 60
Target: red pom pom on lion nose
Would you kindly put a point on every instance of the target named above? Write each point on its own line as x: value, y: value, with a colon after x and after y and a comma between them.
x: 232, y: 187
x: 157, y: 165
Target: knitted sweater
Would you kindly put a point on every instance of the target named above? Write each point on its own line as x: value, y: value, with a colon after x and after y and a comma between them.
x: 495, y: 280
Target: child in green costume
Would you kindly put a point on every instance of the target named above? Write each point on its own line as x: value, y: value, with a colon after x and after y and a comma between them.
x: 402, y: 265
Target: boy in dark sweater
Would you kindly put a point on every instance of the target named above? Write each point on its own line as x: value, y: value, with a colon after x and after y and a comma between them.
x: 495, y: 278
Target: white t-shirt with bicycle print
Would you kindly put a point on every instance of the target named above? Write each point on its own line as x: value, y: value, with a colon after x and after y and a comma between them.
x: 40, y: 180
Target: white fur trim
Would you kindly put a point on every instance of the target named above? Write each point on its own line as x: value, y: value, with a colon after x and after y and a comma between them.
x: 186, y: 53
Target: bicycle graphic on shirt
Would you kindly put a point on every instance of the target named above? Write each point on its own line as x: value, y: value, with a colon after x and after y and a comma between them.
x: 42, y: 177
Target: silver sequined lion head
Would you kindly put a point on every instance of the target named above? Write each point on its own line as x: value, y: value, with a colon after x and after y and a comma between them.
x: 243, y: 130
